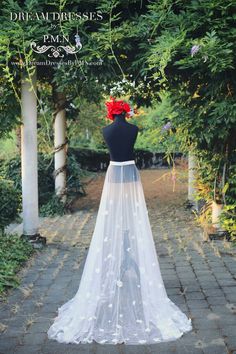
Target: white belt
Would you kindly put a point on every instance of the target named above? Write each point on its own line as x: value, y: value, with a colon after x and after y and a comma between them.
x: 122, y: 163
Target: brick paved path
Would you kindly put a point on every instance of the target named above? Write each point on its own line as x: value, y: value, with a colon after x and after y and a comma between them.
x: 199, y: 277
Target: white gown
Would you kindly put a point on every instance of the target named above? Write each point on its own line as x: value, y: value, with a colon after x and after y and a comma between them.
x: 121, y: 297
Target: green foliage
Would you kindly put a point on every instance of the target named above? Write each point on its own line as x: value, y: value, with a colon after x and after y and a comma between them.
x: 9, y: 110
x: 14, y: 252
x: 152, y: 133
x: 16, y: 55
x: 231, y: 182
x: 210, y: 169
x: 74, y: 175
x: 228, y: 216
x: 15, y: 49
x: 11, y: 170
x: 216, y: 180
x: 10, y: 203
x: 201, y: 83
x: 54, y: 206
x: 87, y: 130
x: 190, y: 51
x: 8, y: 146
x: 105, y: 57
x: 228, y: 220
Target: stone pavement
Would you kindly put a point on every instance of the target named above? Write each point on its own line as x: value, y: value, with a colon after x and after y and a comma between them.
x: 199, y: 277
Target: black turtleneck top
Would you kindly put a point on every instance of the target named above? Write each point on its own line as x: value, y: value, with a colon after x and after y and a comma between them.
x: 120, y: 137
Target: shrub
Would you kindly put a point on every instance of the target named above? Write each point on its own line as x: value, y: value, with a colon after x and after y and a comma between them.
x: 53, y: 207
x: 13, y: 253
x: 49, y: 204
x: 228, y: 220
x: 10, y: 202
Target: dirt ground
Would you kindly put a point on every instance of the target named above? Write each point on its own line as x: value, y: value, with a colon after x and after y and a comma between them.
x: 159, y: 185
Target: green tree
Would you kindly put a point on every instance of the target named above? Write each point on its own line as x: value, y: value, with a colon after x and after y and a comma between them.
x: 190, y: 52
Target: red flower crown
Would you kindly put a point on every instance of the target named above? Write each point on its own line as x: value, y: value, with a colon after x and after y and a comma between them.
x: 117, y: 107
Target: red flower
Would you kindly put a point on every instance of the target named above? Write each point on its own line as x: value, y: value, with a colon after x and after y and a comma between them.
x: 116, y: 107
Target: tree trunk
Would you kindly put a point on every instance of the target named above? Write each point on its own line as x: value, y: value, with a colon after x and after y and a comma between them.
x: 60, y: 145
x: 29, y: 158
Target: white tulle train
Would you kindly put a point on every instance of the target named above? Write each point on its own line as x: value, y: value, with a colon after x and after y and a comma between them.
x: 121, y: 297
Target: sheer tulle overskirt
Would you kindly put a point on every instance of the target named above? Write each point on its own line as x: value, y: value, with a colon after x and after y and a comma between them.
x: 121, y: 297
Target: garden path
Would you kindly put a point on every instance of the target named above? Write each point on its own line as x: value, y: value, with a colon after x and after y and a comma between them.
x: 199, y: 276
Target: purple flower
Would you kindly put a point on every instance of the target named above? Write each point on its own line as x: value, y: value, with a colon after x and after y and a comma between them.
x: 194, y: 49
x: 167, y: 126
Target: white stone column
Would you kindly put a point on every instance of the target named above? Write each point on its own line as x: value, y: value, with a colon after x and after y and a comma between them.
x: 216, y: 212
x: 60, y: 146
x: 29, y: 158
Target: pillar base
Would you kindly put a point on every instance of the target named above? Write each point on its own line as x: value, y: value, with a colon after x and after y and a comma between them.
x: 36, y: 240
x: 189, y: 204
x: 219, y: 235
